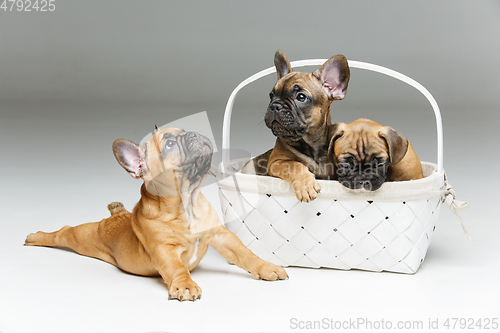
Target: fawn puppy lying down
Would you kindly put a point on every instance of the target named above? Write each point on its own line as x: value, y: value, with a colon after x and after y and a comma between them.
x: 172, y: 225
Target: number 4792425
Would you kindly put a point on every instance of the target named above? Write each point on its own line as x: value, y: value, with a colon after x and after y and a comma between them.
x: 28, y: 5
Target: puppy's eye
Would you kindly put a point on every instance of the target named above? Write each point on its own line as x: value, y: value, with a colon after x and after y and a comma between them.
x: 170, y: 143
x: 344, y: 165
x: 301, y: 97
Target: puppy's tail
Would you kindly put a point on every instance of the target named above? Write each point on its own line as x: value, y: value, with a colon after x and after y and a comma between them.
x: 116, y: 208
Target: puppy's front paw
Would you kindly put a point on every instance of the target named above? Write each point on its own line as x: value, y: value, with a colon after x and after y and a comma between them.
x: 269, y: 272
x: 184, y: 289
x: 307, y: 188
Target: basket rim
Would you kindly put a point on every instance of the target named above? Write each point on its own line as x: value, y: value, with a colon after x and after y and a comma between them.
x: 431, y: 185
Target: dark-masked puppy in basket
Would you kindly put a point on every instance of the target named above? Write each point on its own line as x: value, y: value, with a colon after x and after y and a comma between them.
x: 366, y: 154
x: 299, y: 116
x: 171, y: 226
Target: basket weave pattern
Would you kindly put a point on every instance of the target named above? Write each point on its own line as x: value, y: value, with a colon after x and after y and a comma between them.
x: 344, y: 234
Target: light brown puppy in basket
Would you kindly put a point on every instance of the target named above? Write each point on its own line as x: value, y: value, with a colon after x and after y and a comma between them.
x: 366, y: 154
x: 172, y: 225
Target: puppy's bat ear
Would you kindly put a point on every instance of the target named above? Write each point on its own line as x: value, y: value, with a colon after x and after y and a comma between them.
x: 397, y: 144
x: 334, y: 76
x: 335, y: 131
x: 282, y: 64
x: 128, y: 154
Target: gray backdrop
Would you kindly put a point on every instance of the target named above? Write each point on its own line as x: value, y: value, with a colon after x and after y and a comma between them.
x: 194, y: 53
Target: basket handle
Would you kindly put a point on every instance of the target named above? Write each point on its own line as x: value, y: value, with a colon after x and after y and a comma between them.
x: 226, y: 126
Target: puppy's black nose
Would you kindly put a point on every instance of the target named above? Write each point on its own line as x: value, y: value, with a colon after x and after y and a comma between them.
x: 276, y: 107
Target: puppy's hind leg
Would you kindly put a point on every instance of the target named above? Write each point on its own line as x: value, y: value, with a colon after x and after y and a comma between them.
x: 84, y: 239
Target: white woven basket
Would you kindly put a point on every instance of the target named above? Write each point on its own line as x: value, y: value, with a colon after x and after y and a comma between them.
x: 386, y: 230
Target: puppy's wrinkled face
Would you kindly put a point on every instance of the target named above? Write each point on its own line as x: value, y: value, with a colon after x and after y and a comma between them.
x: 361, y: 163
x: 363, y: 153
x: 170, y: 158
x: 300, y: 101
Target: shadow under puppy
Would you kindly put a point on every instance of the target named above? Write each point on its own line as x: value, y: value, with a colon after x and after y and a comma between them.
x: 299, y: 116
x: 172, y: 225
x: 366, y: 154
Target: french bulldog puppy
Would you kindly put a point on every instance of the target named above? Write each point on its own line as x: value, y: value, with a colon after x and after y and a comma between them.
x: 299, y: 116
x: 172, y: 225
x: 366, y: 154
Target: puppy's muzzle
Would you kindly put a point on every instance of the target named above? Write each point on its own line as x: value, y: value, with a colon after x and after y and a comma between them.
x: 198, y: 155
x: 282, y: 122
x: 196, y: 144
x: 368, y: 179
